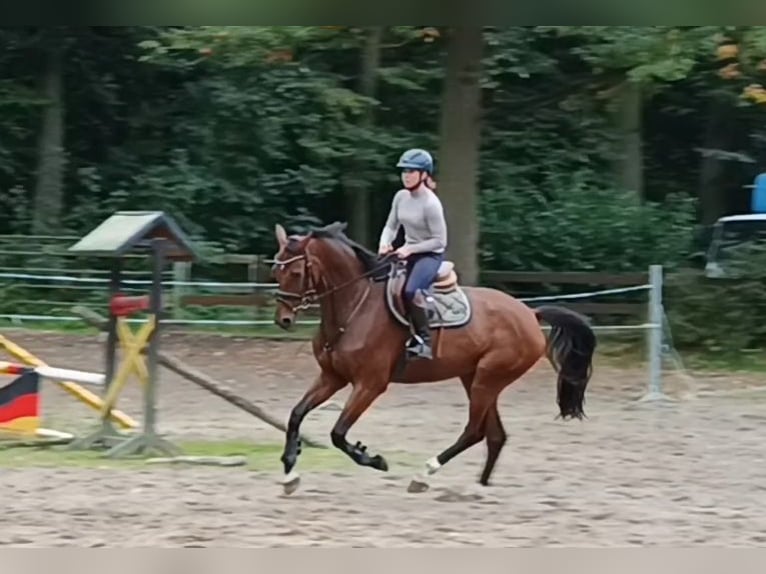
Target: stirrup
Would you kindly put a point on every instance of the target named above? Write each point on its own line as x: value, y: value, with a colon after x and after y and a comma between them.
x: 420, y: 350
x: 417, y: 346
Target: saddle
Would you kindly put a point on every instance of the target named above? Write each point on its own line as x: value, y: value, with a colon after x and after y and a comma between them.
x: 448, y: 305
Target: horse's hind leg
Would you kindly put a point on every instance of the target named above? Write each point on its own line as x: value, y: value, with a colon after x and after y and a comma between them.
x: 494, y: 434
x: 496, y: 437
x: 483, y: 394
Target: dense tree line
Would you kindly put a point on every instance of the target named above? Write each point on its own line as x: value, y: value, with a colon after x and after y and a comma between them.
x: 556, y: 147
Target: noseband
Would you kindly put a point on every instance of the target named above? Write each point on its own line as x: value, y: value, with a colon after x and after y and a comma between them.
x: 308, y: 295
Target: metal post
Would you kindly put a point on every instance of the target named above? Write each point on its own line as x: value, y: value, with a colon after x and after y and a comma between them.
x: 181, y: 273
x: 654, y: 336
x: 155, y: 308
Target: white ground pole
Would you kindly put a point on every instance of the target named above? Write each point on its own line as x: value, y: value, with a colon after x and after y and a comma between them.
x: 83, y: 377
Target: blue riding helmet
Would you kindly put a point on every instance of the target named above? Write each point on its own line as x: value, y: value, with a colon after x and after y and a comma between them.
x: 417, y: 159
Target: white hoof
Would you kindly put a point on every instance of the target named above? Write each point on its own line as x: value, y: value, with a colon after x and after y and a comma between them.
x: 291, y: 482
x: 432, y: 465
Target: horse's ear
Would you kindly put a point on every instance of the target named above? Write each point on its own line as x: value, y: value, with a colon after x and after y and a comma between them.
x: 281, y: 234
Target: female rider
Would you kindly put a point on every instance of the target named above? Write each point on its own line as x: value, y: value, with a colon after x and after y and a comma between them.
x: 418, y: 209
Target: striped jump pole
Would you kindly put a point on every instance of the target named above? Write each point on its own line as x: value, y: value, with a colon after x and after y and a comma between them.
x: 53, y: 373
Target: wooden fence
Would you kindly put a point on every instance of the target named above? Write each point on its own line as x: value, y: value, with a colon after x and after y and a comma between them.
x: 519, y: 283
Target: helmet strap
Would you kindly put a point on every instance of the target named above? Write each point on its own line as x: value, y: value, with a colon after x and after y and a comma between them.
x: 422, y: 179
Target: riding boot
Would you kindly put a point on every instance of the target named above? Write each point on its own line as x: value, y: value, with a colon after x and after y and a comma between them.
x: 419, y: 319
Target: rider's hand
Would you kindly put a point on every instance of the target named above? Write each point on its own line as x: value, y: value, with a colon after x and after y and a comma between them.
x: 385, y: 250
x: 403, y: 252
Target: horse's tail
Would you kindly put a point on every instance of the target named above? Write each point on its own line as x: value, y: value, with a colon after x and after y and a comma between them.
x: 570, y: 348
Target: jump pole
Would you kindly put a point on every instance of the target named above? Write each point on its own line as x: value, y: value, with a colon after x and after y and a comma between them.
x: 53, y: 373
x: 94, y: 319
x: 69, y: 385
x: 156, y: 234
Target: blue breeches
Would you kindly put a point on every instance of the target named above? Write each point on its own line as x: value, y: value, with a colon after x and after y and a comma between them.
x: 422, y: 269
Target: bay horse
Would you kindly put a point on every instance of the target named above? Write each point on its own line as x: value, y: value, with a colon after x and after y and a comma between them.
x: 359, y: 342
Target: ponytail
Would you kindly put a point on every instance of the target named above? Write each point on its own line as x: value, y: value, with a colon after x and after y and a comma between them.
x: 430, y: 183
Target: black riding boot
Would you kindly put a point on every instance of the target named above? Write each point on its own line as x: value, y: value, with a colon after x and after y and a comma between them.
x: 421, y: 346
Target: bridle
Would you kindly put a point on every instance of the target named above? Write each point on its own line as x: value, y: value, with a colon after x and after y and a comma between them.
x: 310, y: 295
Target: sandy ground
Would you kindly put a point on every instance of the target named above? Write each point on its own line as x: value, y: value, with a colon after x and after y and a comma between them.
x: 632, y: 474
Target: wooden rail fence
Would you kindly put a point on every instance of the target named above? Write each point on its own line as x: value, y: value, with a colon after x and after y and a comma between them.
x: 518, y: 283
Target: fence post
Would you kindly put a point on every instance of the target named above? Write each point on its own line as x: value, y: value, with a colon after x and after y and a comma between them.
x: 181, y: 272
x: 654, y: 336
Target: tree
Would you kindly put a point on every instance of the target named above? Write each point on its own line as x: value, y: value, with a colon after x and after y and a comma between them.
x: 357, y: 176
x: 49, y: 187
x: 460, y: 132
x: 629, y: 64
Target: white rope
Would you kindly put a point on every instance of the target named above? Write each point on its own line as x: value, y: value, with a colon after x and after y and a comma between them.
x: 69, y: 319
x: 136, y: 281
x: 247, y: 284
x: 645, y: 287
x: 245, y: 322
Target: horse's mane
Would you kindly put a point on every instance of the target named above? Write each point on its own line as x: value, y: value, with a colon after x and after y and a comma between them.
x: 369, y: 259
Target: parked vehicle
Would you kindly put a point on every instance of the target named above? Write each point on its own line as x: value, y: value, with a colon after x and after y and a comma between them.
x: 730, y: 232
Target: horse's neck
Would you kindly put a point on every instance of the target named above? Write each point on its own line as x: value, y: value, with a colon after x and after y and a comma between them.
x: 346, y: 288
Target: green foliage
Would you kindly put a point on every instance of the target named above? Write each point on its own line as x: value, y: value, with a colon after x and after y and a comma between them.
x: 644, y: 53
x: 725, y: 316
x: 584, y: 228
x: 235, y: 128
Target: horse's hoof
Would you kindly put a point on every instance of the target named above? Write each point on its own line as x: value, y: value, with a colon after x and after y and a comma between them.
x: 417, y: 486
x: 379, y: 463
x: 291, y: 482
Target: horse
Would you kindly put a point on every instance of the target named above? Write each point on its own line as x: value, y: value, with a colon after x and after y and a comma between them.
x: 361, y: 339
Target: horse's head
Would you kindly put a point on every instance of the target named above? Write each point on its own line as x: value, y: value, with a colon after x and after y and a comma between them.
x: 324, y: 261
x: 294, y: 272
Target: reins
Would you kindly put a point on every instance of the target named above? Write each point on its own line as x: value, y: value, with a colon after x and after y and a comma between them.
x: 309, y: 294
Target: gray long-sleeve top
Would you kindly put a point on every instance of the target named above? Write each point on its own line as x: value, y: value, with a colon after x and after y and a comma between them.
x: 422, y: 215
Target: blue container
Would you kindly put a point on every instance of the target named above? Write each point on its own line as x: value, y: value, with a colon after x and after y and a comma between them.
x: 758, y: 202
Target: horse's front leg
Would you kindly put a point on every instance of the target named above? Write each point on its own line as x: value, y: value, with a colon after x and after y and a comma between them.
x: 364, y: 394
x: 324, y: 387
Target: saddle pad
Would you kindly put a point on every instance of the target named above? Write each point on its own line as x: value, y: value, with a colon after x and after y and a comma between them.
x: 446, y: 310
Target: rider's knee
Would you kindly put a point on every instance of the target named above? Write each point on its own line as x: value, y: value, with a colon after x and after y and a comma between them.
x: 414, y: 295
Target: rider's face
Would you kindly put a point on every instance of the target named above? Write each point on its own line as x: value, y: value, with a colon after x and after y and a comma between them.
x: 411, y: 178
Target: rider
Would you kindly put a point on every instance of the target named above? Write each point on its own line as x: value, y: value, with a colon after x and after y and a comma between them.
x: 418, y: 209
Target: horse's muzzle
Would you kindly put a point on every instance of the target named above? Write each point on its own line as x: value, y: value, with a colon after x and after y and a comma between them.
x: 285, y: 322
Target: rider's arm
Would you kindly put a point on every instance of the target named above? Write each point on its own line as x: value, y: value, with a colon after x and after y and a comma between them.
x: 434, y: 216
x: 388, y: 234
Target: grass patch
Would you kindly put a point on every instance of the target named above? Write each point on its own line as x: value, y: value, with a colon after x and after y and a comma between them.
x: 261, y: 457
x: 620, y: 352
x: 747, y: 361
